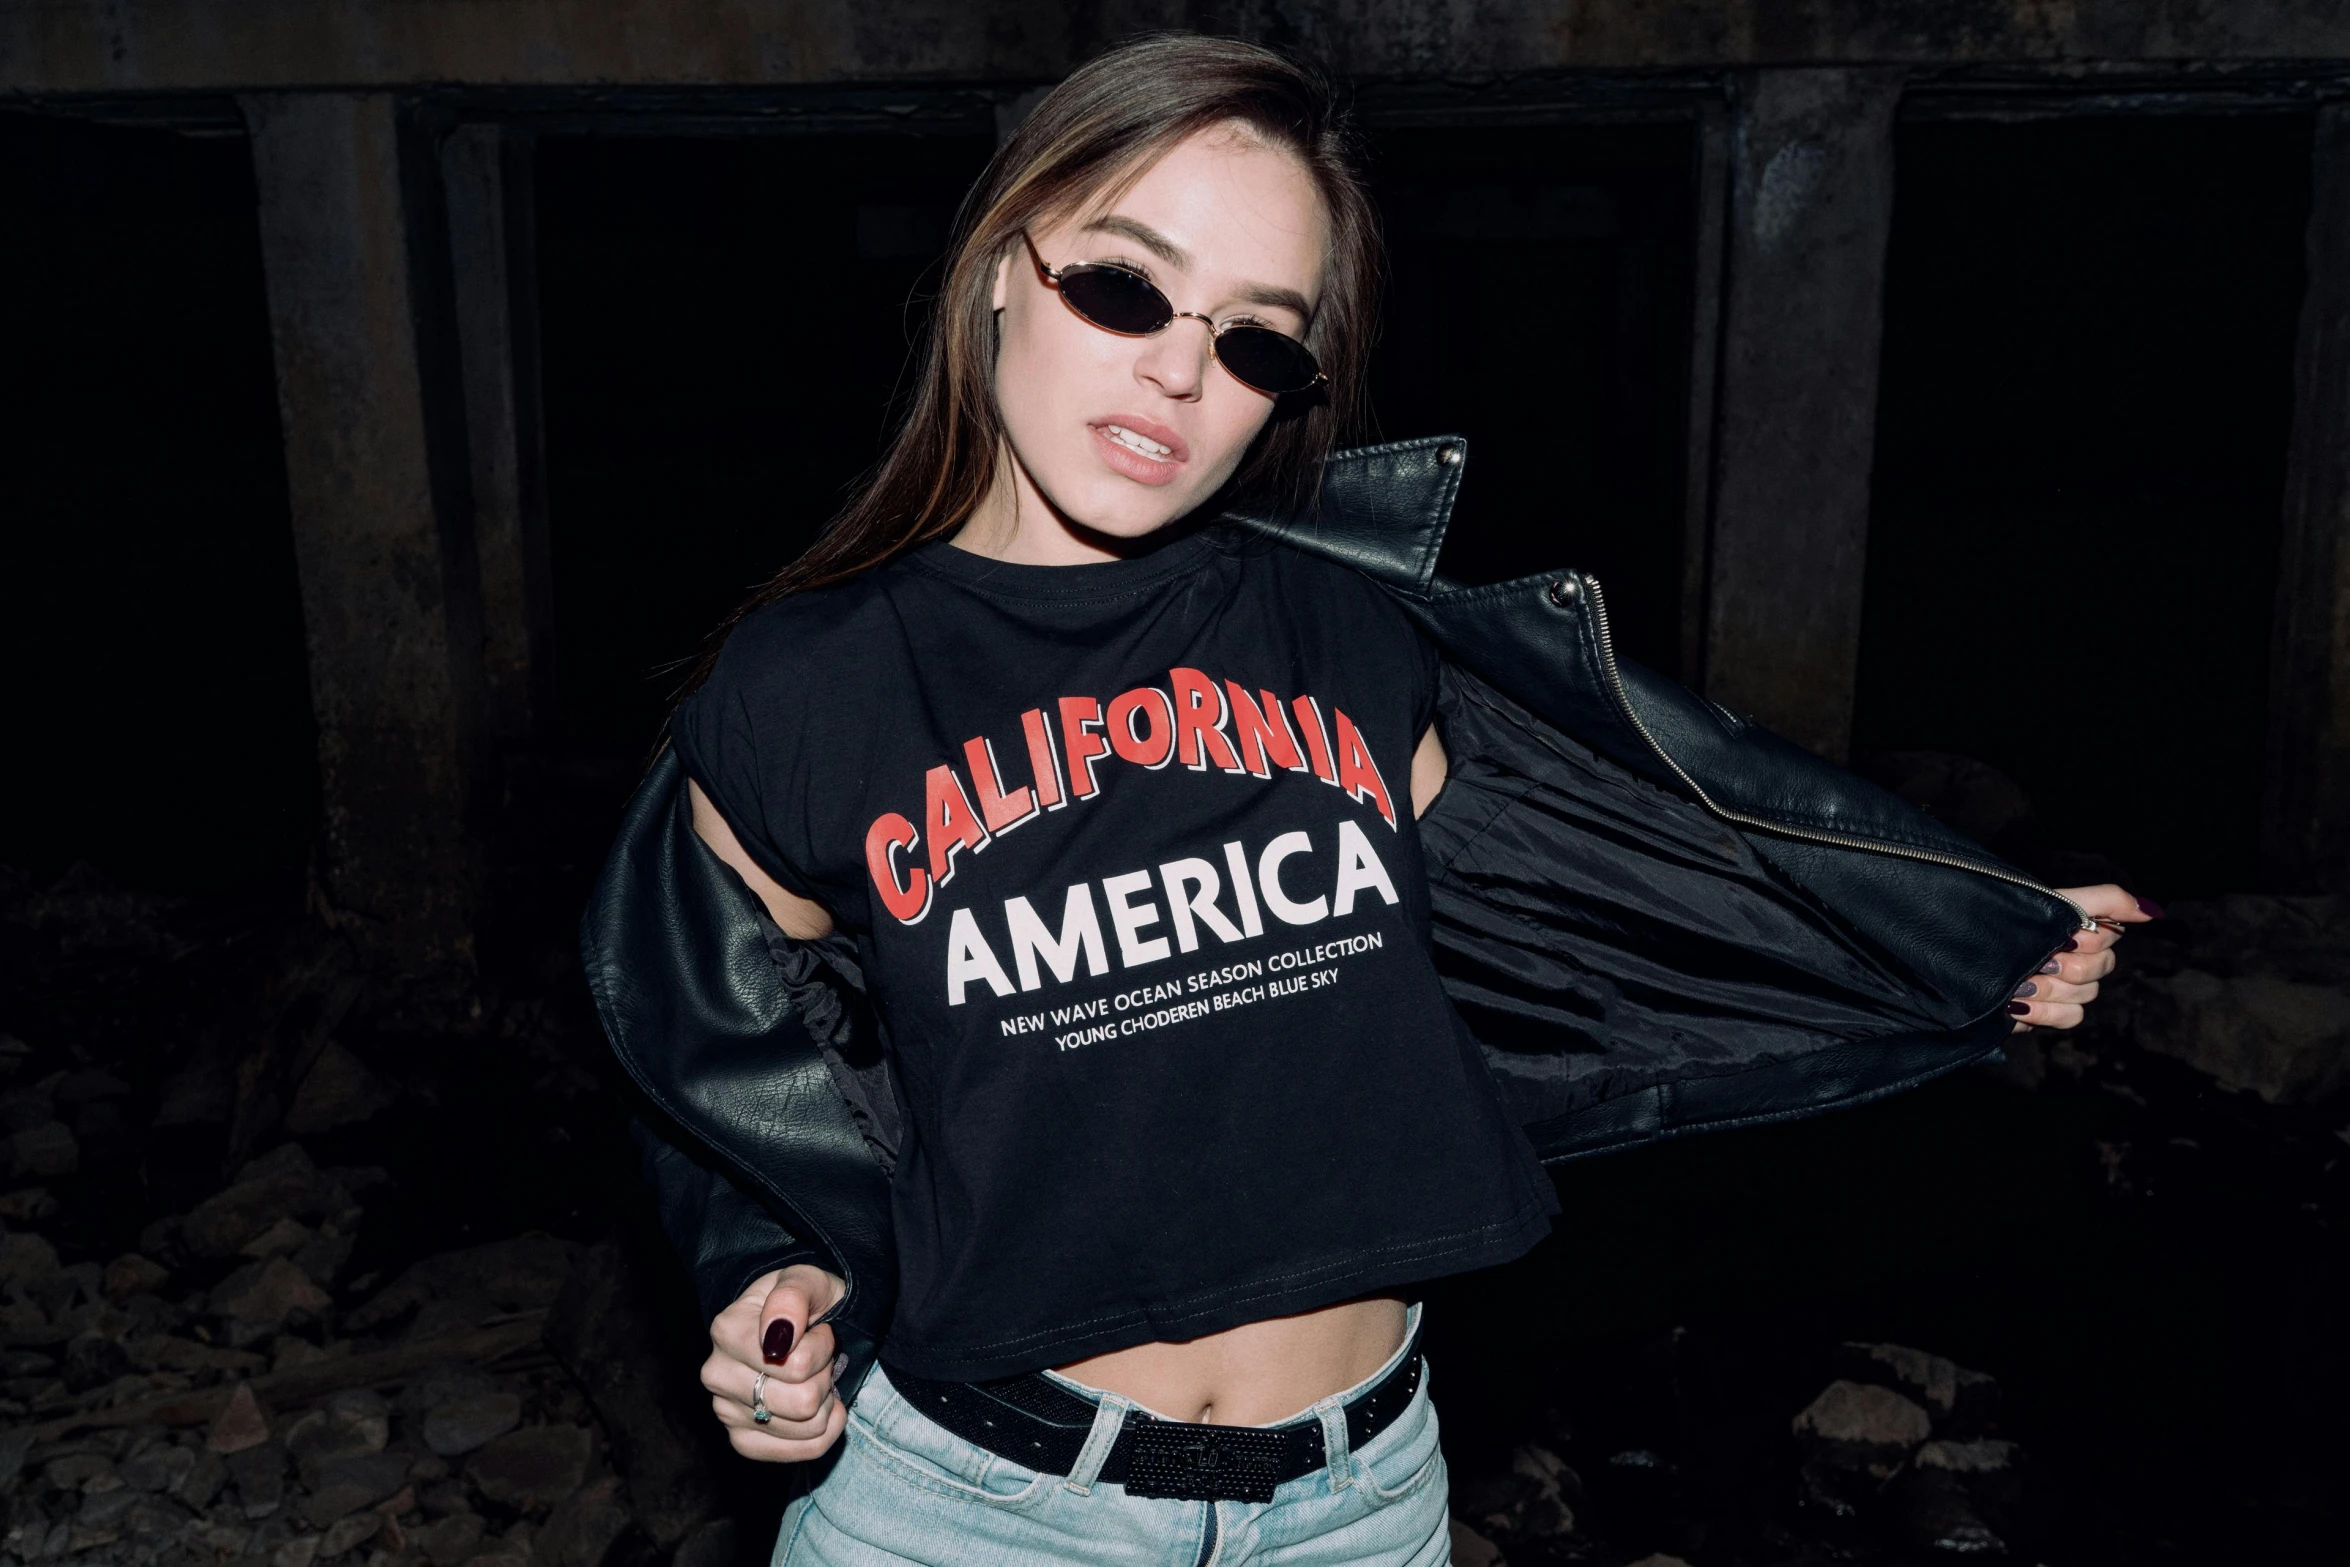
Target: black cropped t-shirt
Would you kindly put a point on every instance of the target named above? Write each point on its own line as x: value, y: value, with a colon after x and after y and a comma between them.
x: 1129, y: 853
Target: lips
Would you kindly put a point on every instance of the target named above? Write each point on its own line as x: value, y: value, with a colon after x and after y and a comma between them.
x: 1140, y: 449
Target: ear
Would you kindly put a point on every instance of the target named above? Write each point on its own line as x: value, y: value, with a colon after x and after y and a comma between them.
x: 1003, y: 281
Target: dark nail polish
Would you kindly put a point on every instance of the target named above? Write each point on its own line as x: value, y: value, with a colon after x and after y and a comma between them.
x: 2070, y: 945
x: 2151, y: 909
x: 2027, y: 988
x: 2049, y: 967
x: 2018, y: 1008
x: 777, y: 1344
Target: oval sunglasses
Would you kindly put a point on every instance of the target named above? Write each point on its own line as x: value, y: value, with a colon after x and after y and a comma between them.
x: 1121, y: 300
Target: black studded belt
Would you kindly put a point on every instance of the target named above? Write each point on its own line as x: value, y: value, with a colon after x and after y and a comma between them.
x: 1035, y: 1422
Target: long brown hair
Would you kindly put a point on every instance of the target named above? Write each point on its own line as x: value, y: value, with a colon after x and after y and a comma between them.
x: 1093, y: 135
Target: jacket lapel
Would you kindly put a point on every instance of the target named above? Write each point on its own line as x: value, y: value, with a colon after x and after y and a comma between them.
x: 1383, y: 510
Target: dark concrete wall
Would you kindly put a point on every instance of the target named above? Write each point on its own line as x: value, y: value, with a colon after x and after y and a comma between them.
x: 78, y: 46
x: 1811, y: 204
x: 2306, y: 839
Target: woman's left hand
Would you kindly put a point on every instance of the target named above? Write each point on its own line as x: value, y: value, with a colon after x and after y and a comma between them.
x: 2067, y: 982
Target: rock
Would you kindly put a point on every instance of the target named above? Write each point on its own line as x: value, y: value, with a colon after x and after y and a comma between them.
x: 14, y: 1445
x: 1854, y: 1437
x: 296, y: 1552
x: 353, y: 1423
x: 93, y: 1360
x: 46, y: 1150
x: 715, y: 1544
x: 340, y: 1091
x: 164, y: 1352
x: 260, y: 1476
x: 349, y: 1533
x: 522, y: 1274
x: 1962, y: 1402
x: 286, y: 1235
x: 158, y: 1468
x: 344, y: 1485
x: 81, y: 1472
x: 131, y: 1274
x: 1469, y: 1549
x: 28, y: 1263
x: 533, y: 1465
x: 2286, y: 1041
x: 460, y: 1425
x: 203, y: 1480
x: 281, y: 1184
x: 1858, y: 1415
x: 450, y: 1540
x: 1660, y: 1559
x: 323, y: 1257
x: 1928, y: 1379
x: 29, y: 1206
x: 582, y: 1531
x: 290, y: 1351
x: 239, y: 1425
x: 612, y: 1328
x: 152, y: 1520
x: 265, y: 1294
x: 1966, y: 1499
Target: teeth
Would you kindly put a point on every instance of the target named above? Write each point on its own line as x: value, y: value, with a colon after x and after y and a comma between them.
x: 1137, y: 443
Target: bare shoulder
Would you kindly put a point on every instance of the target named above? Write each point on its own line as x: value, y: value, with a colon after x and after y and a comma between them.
x: 800, y: 918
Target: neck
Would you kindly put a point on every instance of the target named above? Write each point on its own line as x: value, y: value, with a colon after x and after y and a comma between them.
x: 1015, y: 523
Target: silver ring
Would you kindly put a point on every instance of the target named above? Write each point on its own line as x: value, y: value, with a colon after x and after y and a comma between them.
x: 759, y: 1410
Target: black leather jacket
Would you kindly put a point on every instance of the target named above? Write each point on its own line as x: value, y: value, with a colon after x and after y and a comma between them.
x: 1656, y: 917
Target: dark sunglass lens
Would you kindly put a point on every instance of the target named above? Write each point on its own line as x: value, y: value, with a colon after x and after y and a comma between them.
x: 1115, y: 298
x: 1268, y: 360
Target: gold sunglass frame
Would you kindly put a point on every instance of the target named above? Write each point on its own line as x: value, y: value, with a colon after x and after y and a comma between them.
x: 1053, y: 275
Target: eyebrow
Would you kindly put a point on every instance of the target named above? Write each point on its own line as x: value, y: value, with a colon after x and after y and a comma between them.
x: 1175, y: 255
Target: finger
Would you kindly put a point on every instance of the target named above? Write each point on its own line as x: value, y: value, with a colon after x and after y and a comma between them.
x: 783, y: 1323
x: 2078, y: 968
x: 733, y: 1383
x: 2109, y: 902
x: 2049, y: 1014
x: 2099, y: 940
x: 792, y: 1427
x: 2052, y: 989
x: 811, y: 1357
x: 780, y: 1430
x: 767, y: 1448
x: 735, y: 1331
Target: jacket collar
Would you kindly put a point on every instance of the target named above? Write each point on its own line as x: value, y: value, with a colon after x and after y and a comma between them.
x: 1383, y: 510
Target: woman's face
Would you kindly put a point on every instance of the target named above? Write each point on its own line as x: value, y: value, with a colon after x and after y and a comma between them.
x: 1122, y: 435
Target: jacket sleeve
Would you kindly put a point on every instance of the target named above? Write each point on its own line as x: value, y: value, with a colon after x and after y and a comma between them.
x: 766, y: 1111
x: 724, y: 1238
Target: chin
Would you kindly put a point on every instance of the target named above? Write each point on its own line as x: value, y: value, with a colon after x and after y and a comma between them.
x: 1120, y: 509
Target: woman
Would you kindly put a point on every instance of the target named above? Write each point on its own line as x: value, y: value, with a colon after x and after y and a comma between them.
x: 1108, y: 803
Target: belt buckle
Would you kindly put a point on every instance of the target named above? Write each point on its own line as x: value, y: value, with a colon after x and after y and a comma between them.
x: 1191, y: 1463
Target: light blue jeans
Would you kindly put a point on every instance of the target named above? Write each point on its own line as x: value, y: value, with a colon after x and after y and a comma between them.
x: 906, y: 1491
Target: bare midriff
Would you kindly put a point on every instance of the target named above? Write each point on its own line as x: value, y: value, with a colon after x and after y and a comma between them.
x: 1257, y: 1373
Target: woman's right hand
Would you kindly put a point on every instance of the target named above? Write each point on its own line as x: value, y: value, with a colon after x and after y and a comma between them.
x: 773, y: 1315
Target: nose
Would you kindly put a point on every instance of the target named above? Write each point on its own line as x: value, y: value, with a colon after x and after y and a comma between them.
x: 1175, y: 359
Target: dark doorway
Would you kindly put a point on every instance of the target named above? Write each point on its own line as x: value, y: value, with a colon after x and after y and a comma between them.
x: 726, y: 321
x: 2086, y: 401
x: 155, y: 694
x: 1539, y: 304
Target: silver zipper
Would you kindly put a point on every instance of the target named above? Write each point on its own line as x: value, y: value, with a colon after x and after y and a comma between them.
x: 1562, y: 593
